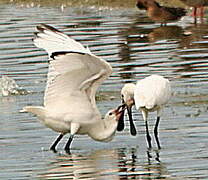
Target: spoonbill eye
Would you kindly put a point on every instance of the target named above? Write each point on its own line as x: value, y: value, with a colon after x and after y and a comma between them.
x: 110, y: 113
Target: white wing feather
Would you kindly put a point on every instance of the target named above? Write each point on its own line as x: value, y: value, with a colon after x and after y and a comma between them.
x: 53, y: 40
x: 74, y: 73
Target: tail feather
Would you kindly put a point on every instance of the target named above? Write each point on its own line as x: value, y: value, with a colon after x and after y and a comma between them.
x: 36, y: 110
x: 179, y: 12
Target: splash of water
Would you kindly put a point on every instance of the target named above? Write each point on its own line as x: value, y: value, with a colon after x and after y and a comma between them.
x: 8, y: 87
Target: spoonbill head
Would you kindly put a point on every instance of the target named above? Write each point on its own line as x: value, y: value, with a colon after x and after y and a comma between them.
x: 149, y: 94
x: 127, y: 97
x: 127, y: 94
x: 74, y: 75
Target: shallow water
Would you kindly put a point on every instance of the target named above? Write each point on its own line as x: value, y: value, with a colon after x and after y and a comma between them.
x: 136, y: 48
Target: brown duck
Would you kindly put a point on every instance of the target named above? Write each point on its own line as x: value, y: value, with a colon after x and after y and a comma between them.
x: 159, y: 13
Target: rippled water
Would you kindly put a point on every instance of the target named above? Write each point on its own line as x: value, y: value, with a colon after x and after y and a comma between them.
x: 135, y: 47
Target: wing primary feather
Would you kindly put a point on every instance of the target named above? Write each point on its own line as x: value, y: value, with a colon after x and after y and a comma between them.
x: 54, y: 54
x: 43, y: 27
x: 53, y: 40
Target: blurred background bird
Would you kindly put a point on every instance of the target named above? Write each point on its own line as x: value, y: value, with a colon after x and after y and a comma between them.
x: 198, y: 7
x: 159, y: 13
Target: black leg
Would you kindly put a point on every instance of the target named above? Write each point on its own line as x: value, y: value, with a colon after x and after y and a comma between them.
x: 67, y: 146
x: 132, y: 127
x: 53, y: 147
x: 156, y: 132
x: 148, y: 135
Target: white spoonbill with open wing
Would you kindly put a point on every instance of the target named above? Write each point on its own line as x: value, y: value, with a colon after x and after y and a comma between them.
x: 73, y: 77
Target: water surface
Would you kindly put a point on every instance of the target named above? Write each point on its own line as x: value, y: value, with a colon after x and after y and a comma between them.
x: 135, y: 47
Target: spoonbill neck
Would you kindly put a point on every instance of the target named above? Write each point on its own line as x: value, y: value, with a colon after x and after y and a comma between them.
x: 103, y: 130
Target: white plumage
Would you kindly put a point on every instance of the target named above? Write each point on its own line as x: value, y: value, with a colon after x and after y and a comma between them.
x: 149, y: 94
x: 73, y: 77
x: 152, y: 91
x: 53, y: 40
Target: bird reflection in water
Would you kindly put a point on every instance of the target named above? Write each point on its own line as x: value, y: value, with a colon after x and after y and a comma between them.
x: 111, y: 164
x: 150, y: 156
x: 165, y: 32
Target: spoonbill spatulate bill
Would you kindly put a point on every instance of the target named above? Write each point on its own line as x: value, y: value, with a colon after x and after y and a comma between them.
x: 74, y: 75
x: 149, y: 94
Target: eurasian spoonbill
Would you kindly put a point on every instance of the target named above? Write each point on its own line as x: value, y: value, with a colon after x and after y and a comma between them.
x: 73, y: 77
x: 149, y: 94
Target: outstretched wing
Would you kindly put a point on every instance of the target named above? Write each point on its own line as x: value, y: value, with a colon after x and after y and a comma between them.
x: 53, y: 41
x: 74, y: 73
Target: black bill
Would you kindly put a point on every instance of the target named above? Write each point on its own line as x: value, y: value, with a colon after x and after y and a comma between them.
x: 132, y: 127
